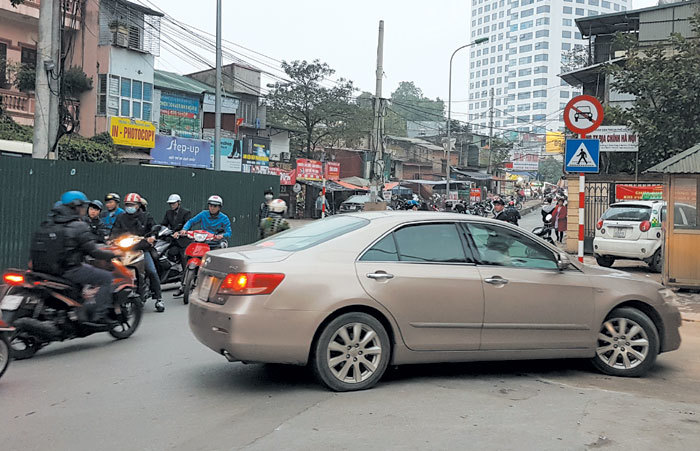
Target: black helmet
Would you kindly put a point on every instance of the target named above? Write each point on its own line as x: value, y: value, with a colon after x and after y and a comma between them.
x: 548, y: 199
x: 498, y: 201
x: 96, y: 204
x: 269, y: 191
x: 113, y: 196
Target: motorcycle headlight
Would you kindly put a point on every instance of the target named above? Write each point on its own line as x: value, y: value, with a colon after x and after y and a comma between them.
x: 126, y: 243
x: 199, y: 237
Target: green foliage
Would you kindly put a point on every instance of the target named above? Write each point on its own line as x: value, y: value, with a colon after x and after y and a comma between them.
x: 98, y: 149
x: 664, y: 79
x: 12, y: 131
x: 319, y: 112
x: 500, y: 153
x: 409, y: 102
x: 550, y: 169
x: 76, y: 82
x: 23, y: 76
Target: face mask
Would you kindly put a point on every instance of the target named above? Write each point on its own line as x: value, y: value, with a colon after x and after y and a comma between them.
x: 131, y: 210
x: 268, y: 196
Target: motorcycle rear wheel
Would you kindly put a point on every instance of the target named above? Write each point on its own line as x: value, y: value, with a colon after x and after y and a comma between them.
x: 188, y: 285
x: 23, y: 347
x: 5, y: 354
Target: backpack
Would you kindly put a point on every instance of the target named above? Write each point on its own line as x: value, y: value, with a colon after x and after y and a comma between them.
x: 47, y: 250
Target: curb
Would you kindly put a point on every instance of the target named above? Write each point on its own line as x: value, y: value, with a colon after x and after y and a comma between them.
x: 690, y: 317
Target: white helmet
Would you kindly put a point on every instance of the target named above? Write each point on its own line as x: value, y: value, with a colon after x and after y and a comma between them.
x: 174, y: 198
x: 277, y: 206
x: 215, y: 200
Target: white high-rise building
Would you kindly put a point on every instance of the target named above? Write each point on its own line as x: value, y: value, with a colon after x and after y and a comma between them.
x: 523, y: 58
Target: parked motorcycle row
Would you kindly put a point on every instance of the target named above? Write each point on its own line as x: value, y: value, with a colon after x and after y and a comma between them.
x: 38, y: 309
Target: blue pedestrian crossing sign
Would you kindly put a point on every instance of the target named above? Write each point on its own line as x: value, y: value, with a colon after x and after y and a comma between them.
x: 582, y: 155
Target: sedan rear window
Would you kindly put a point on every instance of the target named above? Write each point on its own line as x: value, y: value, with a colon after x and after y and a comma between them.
x: 314, y: 234
x: 628, y: 213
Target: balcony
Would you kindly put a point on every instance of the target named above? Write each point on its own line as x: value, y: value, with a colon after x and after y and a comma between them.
x: 129, y: 25
x: 29, y: 12
x: 19, y: 105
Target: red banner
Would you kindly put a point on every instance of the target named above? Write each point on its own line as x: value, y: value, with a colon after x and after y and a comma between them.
x: 475, y: 194
x: 286, y: 177
x: 309, y: 169
x: 332, y: 170
x: 629, y: 192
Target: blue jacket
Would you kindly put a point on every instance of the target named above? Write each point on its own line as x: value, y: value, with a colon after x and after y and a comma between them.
x: 211, y: 224
x: 108, y: 217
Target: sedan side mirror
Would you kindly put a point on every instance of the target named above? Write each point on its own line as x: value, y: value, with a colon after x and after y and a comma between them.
x: 563, y: 262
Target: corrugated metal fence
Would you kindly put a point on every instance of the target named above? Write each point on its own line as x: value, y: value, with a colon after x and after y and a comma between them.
x: 29, y: 188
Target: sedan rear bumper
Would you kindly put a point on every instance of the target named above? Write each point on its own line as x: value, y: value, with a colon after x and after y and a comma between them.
x: 247, y: 331
x: 625, y: 248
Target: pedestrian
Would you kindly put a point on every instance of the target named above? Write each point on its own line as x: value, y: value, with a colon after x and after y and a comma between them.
x: 320, y: 202
x: 265, y: 210
x: 559, y: 217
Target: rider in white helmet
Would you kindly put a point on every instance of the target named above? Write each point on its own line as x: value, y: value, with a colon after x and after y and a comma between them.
x: 211, y: 219
x: 275, y: 222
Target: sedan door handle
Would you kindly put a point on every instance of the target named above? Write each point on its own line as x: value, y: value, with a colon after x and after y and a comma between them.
x: 379, y: 276
x: 496, y: 281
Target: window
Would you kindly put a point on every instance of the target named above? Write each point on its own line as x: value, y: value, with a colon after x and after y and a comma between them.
x: 565, y: 46
x: 541, y: 57
x: 580, y: 12
x: 3, y: 65
x: 430, y: 243
x: 539, y: 106
x: 568, y: 10
x: 526, y: 36
x: 525, y: 60
x: 524, y: 72
x: 524, y: 107
x: 567, y: 22
x: 28, y: 56
x: 539, y: 82
x: 525, y: 25
x: 541, y: 34
x: 566, y: 34
x: 540, y: 70
x: 125, y: 104
x: 685, y: 193
x: 542, y: 45
x: 136, y: 90
x: 525, y: 48
x: 543, y: 21
x: 383, y: 251
x: 101, y: 94
x: 315, y: 233
x: 124, y: 97
x: 523, y: 95
x: 524, y: 84
x: 564, y: 94
x: 113, y: 97
x: 606, y: 5
x: 527, y: 13
x: 543, y: 9
x: 504, y: 247
x: 539, y: 93
x: 538, y: 117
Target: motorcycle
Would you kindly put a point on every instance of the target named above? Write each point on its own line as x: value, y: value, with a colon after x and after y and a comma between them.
x: 203, y: 242
x: 5, y: 350
x: 545, y: 231
x: 44, y: 308
x: 168, y: 264
x: 133, y: 260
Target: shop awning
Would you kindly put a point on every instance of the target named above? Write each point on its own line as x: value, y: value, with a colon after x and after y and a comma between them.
x: 350, y: 186
x: 330, y: 185
x: 474, y: 175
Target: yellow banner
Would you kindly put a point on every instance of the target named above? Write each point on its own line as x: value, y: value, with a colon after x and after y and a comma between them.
x: 555, y: 142
x: 130, y: 132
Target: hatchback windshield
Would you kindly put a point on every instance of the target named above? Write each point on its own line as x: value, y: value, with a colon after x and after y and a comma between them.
x: 628, y: 213
x: 313, y: 234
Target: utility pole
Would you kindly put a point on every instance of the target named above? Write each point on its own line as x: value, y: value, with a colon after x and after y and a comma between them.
x: 46, y: 85
x: 217, y: 103
x: 488, y: 168
x: 378, y: 124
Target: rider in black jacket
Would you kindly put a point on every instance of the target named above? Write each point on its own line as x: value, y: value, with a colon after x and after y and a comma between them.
x: 175, y: 219
x: 137, y: 222
x: 78, y: 241
x: 93, y: 220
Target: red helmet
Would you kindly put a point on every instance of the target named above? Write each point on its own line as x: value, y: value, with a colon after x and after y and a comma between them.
x: 132, y: 198
x: 511, y: 203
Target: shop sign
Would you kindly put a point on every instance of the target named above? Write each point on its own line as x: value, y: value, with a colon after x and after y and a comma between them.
x: 629, y: 192
x: 179, y: 115
x: 332, y: 170
x: 176, y: 151
x: 256, y: 156
x: 309, y: 169
x: 287, y: 177
x: 231, y: 154
x: 555, y: 142
x: 475, y: 194
x: 615, y: 138
x: 130, y: 132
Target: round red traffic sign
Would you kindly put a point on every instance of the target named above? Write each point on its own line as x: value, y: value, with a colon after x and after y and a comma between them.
x: 583, y: 114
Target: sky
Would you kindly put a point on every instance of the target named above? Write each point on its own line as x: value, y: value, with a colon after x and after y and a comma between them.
x: 419, y: 38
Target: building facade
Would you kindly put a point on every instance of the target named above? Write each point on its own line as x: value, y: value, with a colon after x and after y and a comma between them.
x: 515, y: 73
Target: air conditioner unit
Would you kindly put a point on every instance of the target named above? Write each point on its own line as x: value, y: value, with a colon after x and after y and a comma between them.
x: 619, y: 54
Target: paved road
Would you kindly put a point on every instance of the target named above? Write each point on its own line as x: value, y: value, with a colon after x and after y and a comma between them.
x: 161, y: 390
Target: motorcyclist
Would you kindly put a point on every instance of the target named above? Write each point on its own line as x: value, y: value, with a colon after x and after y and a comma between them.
x: 174, y: 219
x: 547, y: 209
x: 78, y: 241
x: 113, y: 210
x: 500, y: 213
x: 137, y: 222
x: 211, y: 220
x: 92, y: 219
x: 274, y: 222
x: 513, y: 212
x: 265, y: 208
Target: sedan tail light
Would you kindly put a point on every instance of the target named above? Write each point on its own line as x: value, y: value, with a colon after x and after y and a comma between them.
x: 246, y: 284
x: 599, y: 224
x: 645, y: 226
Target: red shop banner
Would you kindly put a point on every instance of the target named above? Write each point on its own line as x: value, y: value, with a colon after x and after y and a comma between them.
x: 309, y: 169
x: 332, y: 170
x: 286, y: 177
x: 475, y: 194
x: 629, y: 192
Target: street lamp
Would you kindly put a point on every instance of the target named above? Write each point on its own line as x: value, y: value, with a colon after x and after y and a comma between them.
x: 449, y: 110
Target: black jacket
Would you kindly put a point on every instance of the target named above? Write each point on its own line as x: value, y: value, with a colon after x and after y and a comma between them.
x: 175, y: 219
x: 264, y: 211
x: 78, y: 238
x: 507, y: 215
x: 97, y: 228
x: 139, y: 223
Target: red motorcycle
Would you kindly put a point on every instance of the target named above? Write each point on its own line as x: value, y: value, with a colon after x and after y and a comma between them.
x: 203, y: 242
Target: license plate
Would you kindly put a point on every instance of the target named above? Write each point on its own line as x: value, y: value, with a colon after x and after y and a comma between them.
x: 619, y: 233
x: 206, y: 286
x: 11, y: 302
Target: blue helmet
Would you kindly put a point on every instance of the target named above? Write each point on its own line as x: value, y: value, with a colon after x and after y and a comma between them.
x: 96, y: 204
x: 74, y: 199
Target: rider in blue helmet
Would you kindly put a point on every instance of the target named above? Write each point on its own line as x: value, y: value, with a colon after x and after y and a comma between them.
x: 75, y: 241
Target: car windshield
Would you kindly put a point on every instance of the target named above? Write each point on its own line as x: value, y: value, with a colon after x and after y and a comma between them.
x: 628, y: 213
x: 313, y: 234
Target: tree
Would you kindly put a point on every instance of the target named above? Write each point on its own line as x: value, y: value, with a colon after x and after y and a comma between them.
x: 664, y: 80
x: 409, y: 102
x: 319, y: 112
x: 550, y: 169
x: 574, y: 59
x: 500, y: 153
